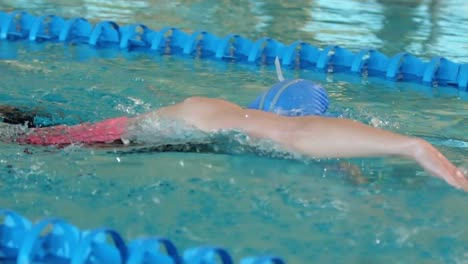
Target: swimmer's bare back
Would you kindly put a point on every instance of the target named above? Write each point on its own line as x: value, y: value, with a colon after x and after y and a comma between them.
x: 313, y: 136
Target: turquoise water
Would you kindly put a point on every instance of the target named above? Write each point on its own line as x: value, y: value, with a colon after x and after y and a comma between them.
x: 303, y: 210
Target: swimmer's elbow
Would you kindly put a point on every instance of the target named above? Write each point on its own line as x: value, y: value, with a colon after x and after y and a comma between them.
x: 415, y: 148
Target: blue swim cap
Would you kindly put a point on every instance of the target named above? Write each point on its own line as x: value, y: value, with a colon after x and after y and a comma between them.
x: 297, y: 97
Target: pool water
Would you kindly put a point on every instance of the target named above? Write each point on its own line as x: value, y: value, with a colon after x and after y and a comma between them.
x: 307, y: 211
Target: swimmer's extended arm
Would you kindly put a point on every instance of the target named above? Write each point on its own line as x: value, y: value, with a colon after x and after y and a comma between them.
x: 335, y: 137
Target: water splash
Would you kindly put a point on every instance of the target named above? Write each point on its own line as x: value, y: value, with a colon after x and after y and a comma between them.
x: 10, y: 132
x: 173, y: 135
x: 165, y: 131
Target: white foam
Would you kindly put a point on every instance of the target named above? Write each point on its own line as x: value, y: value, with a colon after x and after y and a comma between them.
x: 9, y: 132
x: 164, y: 131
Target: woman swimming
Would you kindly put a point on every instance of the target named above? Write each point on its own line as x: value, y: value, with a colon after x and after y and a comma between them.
x: 313, y: 136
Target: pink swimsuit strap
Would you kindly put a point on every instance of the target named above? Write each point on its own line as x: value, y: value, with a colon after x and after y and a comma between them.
x: 107, y: 131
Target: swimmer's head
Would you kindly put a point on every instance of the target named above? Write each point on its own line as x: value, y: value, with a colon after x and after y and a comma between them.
x: 297, y: 97
x: 292, y: 97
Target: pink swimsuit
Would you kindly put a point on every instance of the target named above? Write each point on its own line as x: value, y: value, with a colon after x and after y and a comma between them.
x: 107, y: 131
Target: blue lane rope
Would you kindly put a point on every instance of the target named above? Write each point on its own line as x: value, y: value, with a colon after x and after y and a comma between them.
x: 54, y: 240
x: 403, y: 66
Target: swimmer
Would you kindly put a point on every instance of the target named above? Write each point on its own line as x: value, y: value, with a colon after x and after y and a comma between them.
x: 311, y: 135
x: 289, y: 114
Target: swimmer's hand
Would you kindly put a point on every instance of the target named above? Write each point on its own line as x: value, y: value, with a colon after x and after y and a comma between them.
x: 437, y: 164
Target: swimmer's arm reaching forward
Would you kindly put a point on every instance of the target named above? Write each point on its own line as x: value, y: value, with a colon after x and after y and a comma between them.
x: 312, y: 135
x: 327, y: 137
